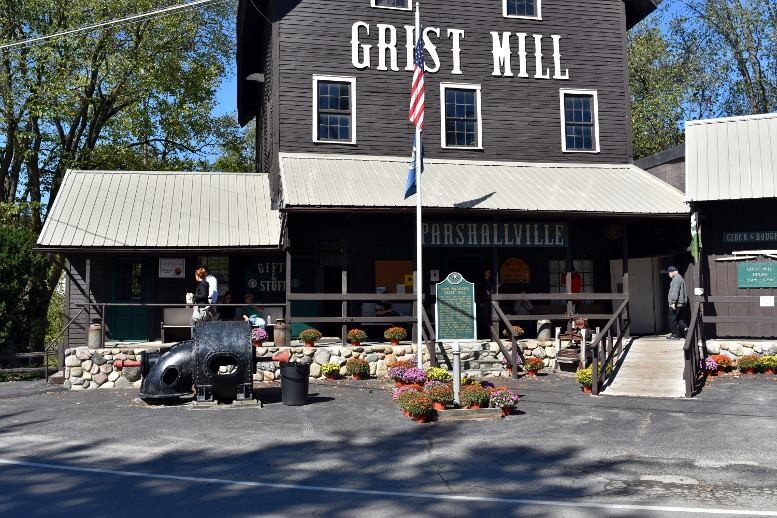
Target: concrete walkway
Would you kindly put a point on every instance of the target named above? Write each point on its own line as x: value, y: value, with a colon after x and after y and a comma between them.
x: 652, y: 367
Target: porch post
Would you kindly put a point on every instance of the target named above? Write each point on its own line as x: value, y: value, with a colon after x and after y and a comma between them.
x: 495, y: 278
x: 89, y: 293
x: 288, y: 302
x: 569, y: 268
x: 343, y: 283
x: 626, y: 272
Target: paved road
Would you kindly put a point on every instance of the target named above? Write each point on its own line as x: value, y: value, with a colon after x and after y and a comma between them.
x: 351, y: 453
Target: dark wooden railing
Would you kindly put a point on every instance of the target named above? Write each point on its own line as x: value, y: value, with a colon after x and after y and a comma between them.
x: 695, y: 353
x: 515, y: 352
x: 608, y: 346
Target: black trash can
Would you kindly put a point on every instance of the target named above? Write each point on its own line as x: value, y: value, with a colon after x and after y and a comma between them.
x: 294, y: 383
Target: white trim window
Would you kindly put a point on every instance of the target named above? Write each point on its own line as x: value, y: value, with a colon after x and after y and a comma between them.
x: 461, y: 124
x: 402, y: 5
x: 579, y: 121
x: 527, y: 9
x: 334, y: 109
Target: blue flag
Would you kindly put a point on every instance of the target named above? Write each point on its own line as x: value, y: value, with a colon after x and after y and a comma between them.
x: 410, y: 185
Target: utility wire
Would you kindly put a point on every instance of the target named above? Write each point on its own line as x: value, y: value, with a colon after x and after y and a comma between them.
x: 134, y: 17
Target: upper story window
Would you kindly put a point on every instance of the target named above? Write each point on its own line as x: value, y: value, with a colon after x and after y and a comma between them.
x: 405, y: 5
x: 580, y: 121
x: 334, y: 109
x: 521, y: 9
x: 461, y: 120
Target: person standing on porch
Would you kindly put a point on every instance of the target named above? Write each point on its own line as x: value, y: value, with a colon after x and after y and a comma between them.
x: 678, y: 300
x: 204, y: 296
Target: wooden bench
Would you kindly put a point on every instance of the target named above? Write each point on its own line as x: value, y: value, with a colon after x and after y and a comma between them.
x: 176, y: 318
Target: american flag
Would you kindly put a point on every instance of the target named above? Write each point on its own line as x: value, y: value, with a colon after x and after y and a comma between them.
x: 417, y: 92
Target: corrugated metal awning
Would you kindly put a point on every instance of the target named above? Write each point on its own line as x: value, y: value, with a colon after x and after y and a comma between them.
x: 733, y: 158
x: 378, y: 182
x: 167, y: 210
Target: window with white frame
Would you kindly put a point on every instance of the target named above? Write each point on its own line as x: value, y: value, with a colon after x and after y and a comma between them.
x: 579, y: 121
x: 405, y: 5
x: 334, y: 109
x: 461, y: 123
x: 522, y: 9
x: 557, y: 269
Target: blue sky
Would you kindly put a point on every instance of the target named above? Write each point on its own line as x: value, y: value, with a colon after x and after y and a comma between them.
x: 226, y: 95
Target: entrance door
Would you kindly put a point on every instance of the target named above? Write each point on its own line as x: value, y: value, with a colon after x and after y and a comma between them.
x: 131, y: 284
x: 645, y: 293
x: 470, y: 265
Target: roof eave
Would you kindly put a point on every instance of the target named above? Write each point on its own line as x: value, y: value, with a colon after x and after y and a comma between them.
x: 638, y: 10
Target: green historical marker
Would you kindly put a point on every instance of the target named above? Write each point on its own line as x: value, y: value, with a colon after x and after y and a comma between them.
x: 757, y: 275
x: 455, y: 309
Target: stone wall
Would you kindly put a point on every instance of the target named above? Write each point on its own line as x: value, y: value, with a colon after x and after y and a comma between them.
x: 734, y: 349
x: 102, y: 368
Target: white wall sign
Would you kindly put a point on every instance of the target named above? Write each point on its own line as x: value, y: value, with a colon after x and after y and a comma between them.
x: 172, y: 268
x: 767, y: 301
x: 507, y: 49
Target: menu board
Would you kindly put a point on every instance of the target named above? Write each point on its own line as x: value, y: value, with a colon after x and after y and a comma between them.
x: 455, y: 309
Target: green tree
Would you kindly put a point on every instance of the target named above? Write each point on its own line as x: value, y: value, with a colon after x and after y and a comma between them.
x: 133, y: 96
x: 237, y: 146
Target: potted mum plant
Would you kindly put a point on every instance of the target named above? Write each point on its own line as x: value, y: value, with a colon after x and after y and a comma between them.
x: 440, y: 393
x: 474, y: 396
x: 723, y: 361
x: 357, y: 368
x: 749, y: 363
x: 532, y: 365
x: 395, y: 334
x: 398, y: 391
x: 310, y: 336
x: 586, y: 378
x: 330, y: 371
x: 769, y: 364
x: 258, y: 336
x: 505, y: 399
x: 396, y: 373
x: 517, y: 330
x: 710, y: 366
x: 414, y: 376
x: 417, y: 405
x: 438, y: 374
x: 355, y: 337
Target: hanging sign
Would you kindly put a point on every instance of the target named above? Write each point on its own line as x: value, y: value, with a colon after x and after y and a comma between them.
x: 172, y: 268
x: 759, y: 236
x: 757, y: 275
x: 495, y: 234
x: 454, y: 313
x: 514, y: 271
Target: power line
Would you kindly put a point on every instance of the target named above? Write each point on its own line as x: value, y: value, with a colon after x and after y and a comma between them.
x: 134, y: 17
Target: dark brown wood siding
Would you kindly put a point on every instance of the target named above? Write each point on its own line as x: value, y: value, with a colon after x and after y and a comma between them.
x: 521, y: 116
x: 78, y: 293
x: 720, y: 277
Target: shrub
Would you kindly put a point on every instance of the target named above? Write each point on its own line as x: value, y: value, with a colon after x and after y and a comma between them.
x: 474, y: 395
x: 749, y: 361
x: 258, y: 334
x: 438, y: 374
x: 330, y: 369
x: 395, y: 333
x: 722, y: 360
x: 466, y: 380
x: 414, y: 375
x: 357, y: 367
x: 769, y: 362
x: 439, y: 392
x: 402, y: 390
x: 518, y: 330
x: 403, y: 363
x: 533, y: 363
x: 416, y: 403
x: 585, y: 376
x: 310, y: 335
x: 502, y: 397
x: 356, y: 335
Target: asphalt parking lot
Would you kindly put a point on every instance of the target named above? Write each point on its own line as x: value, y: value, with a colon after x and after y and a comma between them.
x: 350, y: 452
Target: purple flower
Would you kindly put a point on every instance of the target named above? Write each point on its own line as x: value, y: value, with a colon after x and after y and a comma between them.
x: 414, y: 375
x: 504, y: 398
x: 258, y: 334
x: 431, y: 385
x: 397, y: 373
x: 710, y: 364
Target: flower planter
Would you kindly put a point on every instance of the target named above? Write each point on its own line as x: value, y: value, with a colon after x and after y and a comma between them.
x: 438, y: 406
x: 507, y: 410
x: 356, y: 344
x: 769, y: 371
x: 531, y: 373
x: 721, y: 368
x: 712, y: 373
x: 749, y: 370
x: 310, y: 343
x: 395, y: 342
x: 357, y: 377
x: 258, y: 343
x: 399, y: 383
x: 420, y: 418
x: 587, y: 390
x: 474, y: 407
x: 330, y: 377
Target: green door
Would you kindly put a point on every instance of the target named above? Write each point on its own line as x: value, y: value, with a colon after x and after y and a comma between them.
x: 131, y: 284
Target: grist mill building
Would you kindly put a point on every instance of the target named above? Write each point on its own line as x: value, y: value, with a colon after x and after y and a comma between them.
x: 528, y: 171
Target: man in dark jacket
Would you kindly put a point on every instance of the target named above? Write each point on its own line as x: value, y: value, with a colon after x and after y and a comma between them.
x: 678, y: 300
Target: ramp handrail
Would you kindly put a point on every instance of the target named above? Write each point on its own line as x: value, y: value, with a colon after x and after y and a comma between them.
x: 695, y: 349
x: 603, y: 347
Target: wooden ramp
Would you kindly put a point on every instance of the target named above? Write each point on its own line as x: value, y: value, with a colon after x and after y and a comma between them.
x: 652, y: 367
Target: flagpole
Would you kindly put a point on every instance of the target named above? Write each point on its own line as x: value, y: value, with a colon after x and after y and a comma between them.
x: 419, y: 236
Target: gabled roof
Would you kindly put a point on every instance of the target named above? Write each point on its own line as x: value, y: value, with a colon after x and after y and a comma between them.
x: 638, y: 10
x: 165, y: 210
x: 349, y: 181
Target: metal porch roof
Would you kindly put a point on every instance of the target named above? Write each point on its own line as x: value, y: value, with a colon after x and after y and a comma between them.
x: 150, y: 209
x: 378, y: 182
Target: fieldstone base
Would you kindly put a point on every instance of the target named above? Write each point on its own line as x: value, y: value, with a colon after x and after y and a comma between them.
x: 102, y: 368
x: 734, y: 348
